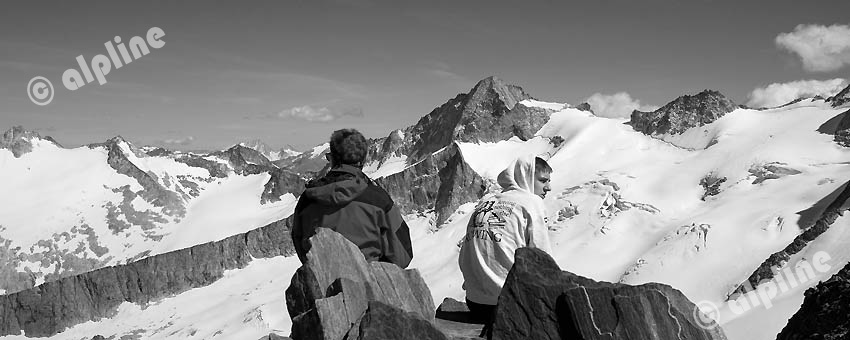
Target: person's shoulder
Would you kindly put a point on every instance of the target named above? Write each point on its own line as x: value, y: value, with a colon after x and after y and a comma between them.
x: 376, y: 196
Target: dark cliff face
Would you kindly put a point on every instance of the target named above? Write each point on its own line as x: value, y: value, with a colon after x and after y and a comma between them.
x: 683, y: 113
x: 442, y: 181
x: 19, y: 141
x: 840, y: 98
x: 483, y: 114
x: 816, y: 221
x: 824, y: 313
x: 54, y: 306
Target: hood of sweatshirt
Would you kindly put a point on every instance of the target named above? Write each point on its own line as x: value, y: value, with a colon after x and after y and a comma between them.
x: 519, y: 175
x: 339, y: 186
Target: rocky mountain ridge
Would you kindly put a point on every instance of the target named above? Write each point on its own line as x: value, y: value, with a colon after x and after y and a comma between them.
x: 683, y: 113
x: 122, y: 222
x: 51, y: 307
x: 840, y: 98
x: 824, y: 312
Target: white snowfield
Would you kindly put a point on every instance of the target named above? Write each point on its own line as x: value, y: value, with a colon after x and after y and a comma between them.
x: 56, y: 202
x: 640, y: 218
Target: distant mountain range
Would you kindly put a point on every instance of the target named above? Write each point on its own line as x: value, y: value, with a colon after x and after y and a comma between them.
x: 697, y: 194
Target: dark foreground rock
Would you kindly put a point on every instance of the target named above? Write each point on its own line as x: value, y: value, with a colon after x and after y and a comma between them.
x: 825, y: 313
x: 539, y: 301
x: 48, y: 309
x: 336, y: 294
x: 683, y: 113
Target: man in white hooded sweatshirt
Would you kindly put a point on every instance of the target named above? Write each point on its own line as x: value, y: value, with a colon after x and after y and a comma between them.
x: 501, y: 224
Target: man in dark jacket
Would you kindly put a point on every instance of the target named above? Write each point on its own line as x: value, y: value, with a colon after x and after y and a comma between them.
x: 347, y: 201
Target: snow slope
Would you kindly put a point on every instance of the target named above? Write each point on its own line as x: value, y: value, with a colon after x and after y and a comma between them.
x: 67, y: 211
x: 625, y: 207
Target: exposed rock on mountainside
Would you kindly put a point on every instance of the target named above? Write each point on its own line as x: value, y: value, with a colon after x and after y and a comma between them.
x: 823, y: 214
x: 539, y: 301
x: 336, y: 294
x: 442, y: 181
x: 773, y: 170
x: 488, y: 113
x: 153, y: 191
x: 824, y: 312
x: 51, y: 307
x: 263, y: 148
x: 711, y: 184
x: 282, y: 182
x: 840, y: 98
x: 19, y: 141
x: 842, y: 131
x: 244, y: 160
x: 839, y: 126
x: 683, y: 113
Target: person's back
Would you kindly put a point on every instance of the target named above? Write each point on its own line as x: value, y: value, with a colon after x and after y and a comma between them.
x: 347, y: 201
x: 501, y: 224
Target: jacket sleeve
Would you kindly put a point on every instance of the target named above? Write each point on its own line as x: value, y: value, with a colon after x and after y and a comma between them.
x: 538, y: 231
x: 297, y: 233
x: 396, y: 239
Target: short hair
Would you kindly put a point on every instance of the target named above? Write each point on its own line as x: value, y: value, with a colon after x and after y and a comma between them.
x: 541, y: 166
x: 348, y: 146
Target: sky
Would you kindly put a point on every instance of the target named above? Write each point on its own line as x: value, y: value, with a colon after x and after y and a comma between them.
x: 291, y: 72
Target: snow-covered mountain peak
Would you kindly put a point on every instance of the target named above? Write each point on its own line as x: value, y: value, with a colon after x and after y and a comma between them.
x: 20, y: 141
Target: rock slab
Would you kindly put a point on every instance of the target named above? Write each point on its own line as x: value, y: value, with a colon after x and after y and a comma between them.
x: 539, y: 301
x: 337, y: 295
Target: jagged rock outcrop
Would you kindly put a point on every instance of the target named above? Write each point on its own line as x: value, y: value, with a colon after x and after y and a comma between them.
x: 153, y: 192
x: 772, y: 170
x: 244, y: 160
x: 833, y: 206
x: 282, y: 182
x: 336, y: 294
x: 539, y: 301
x: 487, y: 113
x: 711, y: 184
x: 683, y: 113
x: 585, y: 107
x: 50, y: 308
x: 824, y: 313
x: 19, y: 141
x: 442, y: 181
x: 840, y: 98
x: 839, y: 127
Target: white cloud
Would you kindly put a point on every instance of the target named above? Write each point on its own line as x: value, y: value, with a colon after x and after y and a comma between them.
x: 179, y: 141
x: 618, y: 105
x: 319, y: 114
x: 821, y: 48
x: 777, y: 94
